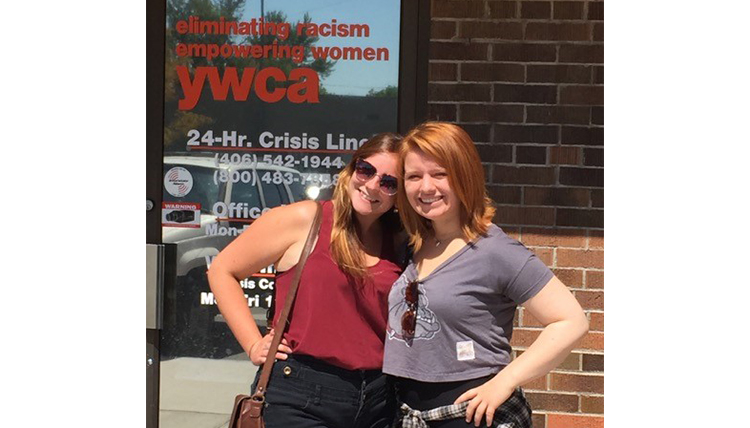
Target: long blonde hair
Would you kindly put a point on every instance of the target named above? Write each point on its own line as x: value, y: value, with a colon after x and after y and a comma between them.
x: 346, y: 248
x: 454, y: 150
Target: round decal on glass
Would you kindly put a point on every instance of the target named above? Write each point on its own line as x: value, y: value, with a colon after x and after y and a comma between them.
x: 178, y: 181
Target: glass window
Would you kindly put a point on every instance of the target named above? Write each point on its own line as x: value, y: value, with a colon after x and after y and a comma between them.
x: 293, y: 97
x: 274, y: 194
x: 246, y: 192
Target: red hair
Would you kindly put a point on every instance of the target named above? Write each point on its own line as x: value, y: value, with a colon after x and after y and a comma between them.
x: 452, y: 148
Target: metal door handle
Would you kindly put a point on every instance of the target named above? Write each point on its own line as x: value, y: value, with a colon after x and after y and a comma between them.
x: 154, y: 285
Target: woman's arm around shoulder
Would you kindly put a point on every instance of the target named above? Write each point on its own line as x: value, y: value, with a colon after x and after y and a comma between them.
x: 272, y: 237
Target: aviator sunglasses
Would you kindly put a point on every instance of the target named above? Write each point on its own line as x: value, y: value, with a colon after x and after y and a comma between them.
x: 409, y: 318
x: 364, y: 171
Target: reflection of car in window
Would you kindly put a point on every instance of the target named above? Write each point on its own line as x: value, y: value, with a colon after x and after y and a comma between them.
x: 219, y: 217
x: 230, y: 198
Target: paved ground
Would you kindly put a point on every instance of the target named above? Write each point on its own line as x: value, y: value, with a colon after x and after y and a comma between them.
x: 198, y: 392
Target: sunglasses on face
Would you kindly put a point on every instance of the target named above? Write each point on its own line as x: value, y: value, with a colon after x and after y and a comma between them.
x: 364, y: 171
x: 409, y: 318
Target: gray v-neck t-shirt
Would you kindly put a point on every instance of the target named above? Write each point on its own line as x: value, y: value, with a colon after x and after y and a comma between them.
x: 465, y: 311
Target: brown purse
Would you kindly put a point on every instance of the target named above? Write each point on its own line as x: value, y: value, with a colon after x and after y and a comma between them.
x: 248, y: 409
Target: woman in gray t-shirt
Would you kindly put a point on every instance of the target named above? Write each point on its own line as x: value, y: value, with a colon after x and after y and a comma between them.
x: 451, y: 312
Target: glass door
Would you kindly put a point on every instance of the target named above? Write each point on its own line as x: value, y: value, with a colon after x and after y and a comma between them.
x: 263, y: 104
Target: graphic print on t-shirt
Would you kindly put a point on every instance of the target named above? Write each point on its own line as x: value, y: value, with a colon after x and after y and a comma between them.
x: 427, y: 323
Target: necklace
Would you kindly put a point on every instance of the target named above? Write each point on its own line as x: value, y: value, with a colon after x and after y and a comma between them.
x: 438, y: 242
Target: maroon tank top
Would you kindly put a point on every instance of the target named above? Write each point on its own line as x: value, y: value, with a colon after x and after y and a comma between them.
x: 333, y: 318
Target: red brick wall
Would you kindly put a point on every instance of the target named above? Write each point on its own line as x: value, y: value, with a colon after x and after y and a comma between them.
x: 526, y: 80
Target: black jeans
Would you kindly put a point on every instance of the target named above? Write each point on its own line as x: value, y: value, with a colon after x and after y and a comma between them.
x: 426, y: 396
x: 304, y: 392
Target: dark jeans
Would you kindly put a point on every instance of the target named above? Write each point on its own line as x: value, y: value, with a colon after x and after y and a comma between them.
x: 307, y: 393
x: 428, y: 395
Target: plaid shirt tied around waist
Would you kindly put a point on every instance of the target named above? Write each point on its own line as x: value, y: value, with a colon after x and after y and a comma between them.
x: 515, y: 412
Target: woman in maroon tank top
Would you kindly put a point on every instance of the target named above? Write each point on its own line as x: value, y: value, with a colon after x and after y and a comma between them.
x: 330, y: 359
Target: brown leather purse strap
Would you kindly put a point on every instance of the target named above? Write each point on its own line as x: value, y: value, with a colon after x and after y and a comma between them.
x: 260, y: 390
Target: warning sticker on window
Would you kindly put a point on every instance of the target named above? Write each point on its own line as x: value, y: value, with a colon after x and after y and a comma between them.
x: 181, y: 214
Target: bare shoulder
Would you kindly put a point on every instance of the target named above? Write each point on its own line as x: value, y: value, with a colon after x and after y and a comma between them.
x: 300, y: 218
x: 304, y: 210
x: 267, y: 239
x: 298, y: 215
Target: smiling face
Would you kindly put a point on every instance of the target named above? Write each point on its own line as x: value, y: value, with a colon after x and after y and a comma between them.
x: 428, y: 189
x: 366, y: 195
